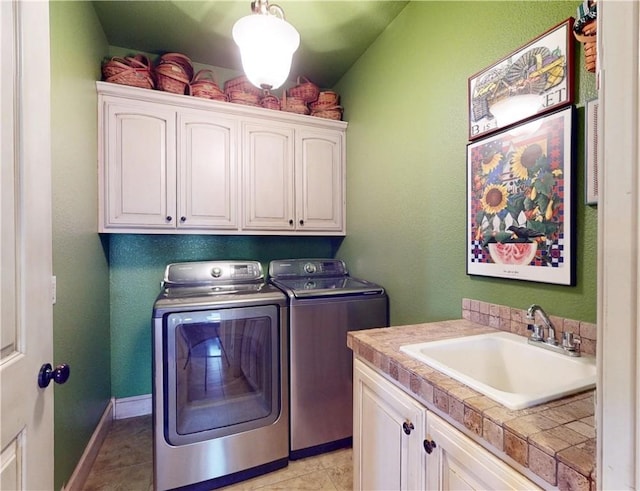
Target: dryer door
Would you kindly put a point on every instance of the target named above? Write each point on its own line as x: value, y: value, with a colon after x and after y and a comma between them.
x: 221, y: 372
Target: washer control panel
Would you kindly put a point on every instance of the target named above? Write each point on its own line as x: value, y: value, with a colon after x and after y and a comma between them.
x: 301, y: 268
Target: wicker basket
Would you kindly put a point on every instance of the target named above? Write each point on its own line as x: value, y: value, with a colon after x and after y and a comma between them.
x: 307, y: 91
x: 294, y: 104
x: 204, y: 85
x: 241, y: 84
x: 134, y: 71
x: 245, y: 98
x: 333, y: 112
x: 171, y: 78
x: 588, y: 38
x: 270, y: 101
x: 179, y: 59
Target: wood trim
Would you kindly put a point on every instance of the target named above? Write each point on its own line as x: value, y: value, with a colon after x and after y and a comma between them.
x: 618, y: 393
x: 83, y: 468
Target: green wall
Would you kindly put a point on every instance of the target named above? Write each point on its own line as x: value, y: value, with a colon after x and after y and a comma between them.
x: 137, y: 265
x: 81, y: 313
x: 405, y: 100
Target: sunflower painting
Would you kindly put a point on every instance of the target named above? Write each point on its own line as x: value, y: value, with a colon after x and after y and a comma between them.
x: 519, y: 202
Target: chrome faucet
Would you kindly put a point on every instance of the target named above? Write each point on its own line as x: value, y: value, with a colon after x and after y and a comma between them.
x: 570, y: 344
x: 531, y: 315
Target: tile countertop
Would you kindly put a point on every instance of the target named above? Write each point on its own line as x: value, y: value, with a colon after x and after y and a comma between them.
x: 554, y: 440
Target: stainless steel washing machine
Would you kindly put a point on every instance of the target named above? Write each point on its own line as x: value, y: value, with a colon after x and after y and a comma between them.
x: 220, y: 375
x: 325, y: 302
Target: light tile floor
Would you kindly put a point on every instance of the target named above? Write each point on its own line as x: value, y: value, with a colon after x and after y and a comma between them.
x: 125, y: 462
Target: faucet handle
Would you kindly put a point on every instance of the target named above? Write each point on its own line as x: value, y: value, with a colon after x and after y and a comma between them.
x: 537, y: 332
x: 570, y: 342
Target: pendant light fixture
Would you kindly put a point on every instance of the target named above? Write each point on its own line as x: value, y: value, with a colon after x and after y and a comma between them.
x: 267, y: 43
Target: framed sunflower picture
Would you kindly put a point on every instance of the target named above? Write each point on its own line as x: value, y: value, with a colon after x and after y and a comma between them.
x: 519, y: 192
x: 535, y: 79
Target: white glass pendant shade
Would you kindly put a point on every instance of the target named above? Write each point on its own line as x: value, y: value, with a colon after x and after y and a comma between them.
x: 267, y: 44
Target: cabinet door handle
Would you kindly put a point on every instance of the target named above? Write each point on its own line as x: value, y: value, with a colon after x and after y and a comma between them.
x: 301, y: 221
x: 169, y: 218
x: 429, y: 445
x: 290, y: 222
x: 183, y: 219
x: 407, y: 426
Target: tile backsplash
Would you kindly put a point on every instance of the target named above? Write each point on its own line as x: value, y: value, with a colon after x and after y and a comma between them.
x: 515, y: 320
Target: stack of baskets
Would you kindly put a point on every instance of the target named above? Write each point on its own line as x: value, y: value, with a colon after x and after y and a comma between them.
x: 174, y: 71
x: 326, y: 106
x: 131, y: 70
x: 240, y: 91
x: 204, y: 85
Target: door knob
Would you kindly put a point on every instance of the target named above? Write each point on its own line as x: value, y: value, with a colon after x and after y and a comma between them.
x: 407, y: 426
x: 59, y: 374
x: 429, y: 445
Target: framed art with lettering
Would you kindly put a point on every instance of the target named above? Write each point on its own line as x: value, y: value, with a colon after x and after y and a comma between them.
x: 535, y: 79
x: 519, y: 190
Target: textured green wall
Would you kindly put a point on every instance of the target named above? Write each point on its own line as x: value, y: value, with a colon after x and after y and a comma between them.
x: 137, y: 266
x: 405, y: 100
x: 81, y: 314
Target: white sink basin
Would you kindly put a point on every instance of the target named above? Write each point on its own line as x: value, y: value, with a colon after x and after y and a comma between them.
x: 504, y: 367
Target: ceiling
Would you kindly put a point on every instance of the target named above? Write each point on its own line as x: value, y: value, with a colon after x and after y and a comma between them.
x: 333, y: 34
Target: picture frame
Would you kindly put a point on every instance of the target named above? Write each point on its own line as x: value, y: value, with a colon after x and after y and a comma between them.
x: 592, y: 108
x: 535, y: 79
x: 520, y: 221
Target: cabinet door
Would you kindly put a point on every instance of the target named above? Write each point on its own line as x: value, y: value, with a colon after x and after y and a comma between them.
x: 268, y: 177
x: 459, y: 463
x: 207, y: 171
x: 319, y: 180
x: 139, y: 152
x: 384, y: 456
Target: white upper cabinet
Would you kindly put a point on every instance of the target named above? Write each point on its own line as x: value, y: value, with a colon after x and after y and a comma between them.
x: 207, y: 171
x: 139, y: 182
x: 179, y: 164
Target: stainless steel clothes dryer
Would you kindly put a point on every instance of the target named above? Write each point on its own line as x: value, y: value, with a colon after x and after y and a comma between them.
x: 220, y: 390
x: 324, y: 304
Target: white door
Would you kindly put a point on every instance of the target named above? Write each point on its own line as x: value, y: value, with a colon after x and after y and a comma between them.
x: 26, y: 411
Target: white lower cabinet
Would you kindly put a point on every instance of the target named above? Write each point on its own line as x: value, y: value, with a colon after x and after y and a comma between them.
x: 393, y: 433
x: 388, y: 430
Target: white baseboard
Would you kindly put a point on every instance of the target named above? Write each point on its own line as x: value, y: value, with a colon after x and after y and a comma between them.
x: 129, y: 407
x: 83, y: 468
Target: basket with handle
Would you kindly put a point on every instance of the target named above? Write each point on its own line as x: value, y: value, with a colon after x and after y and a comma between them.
x: 294, y: 104
x: 204, y: 85
x: 171, y: 78
x: 305, y: 90
x: 133, y: 71
x: 180, y: 60
x: 241, y: 84
x: 270, y: 101
x: 331, y: 112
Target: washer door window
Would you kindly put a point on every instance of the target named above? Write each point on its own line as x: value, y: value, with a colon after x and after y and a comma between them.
x: 221, y: 375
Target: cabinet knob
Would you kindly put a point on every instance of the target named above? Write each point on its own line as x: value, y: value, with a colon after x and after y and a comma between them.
x: 183, y: 219
x: 290, y: 222
x: 407, y: 426
x: 429, y: 445
x: 301, y: 221
x: 169, y: 218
